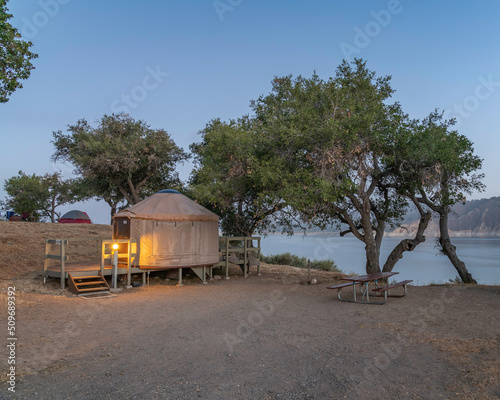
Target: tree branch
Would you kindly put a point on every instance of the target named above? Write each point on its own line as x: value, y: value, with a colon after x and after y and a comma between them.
x: 347, y: 219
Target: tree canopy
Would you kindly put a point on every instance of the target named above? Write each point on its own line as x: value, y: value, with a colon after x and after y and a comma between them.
x: 39, y: 195
x: 235, y: 177
x: 437, y: 167
x: 339, y: 134
x: 121, y: 159
x: 339, y: 152
x: 15, y: 56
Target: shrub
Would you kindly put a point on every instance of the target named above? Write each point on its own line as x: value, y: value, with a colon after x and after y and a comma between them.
x: 299, y: 262
x: 285, y: 259
x: 325, y: 265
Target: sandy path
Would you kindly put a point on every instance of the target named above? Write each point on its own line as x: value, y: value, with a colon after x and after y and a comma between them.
x: 256, y: 339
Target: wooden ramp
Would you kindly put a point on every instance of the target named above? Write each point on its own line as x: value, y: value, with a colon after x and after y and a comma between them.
x: 84, y: 285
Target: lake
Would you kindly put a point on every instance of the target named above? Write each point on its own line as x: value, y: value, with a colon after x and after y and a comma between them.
x: 424, y: 265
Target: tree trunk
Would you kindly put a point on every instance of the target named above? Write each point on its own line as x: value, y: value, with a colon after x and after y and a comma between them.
x: 113, y: 212
x: 372, y: 255
x: 52, y: 211
x: 449, y: 250
x: 408, y: 244
x: 113, y: 208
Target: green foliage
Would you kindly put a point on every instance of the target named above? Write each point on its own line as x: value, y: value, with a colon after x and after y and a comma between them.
x: 120, y: 160
x: 437, y: 168
x: 325, y: 265
x: 350, y: 157
x: 438, y: 163
x: 39, y: 196
x: 26, y: 195
x: 336, y: 138
x: 15, y: 64
x: 285, y: 259
x: 299, y: 262
x: 332, y: 152
x: 235, y: 176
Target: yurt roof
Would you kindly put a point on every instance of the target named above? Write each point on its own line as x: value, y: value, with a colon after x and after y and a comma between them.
x: 168, y: 205
x: 75, y: 214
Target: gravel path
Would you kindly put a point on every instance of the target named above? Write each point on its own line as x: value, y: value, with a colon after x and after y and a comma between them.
x: 257, y: 338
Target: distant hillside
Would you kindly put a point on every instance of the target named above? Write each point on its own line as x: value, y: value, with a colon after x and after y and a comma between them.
x: 476, y: 218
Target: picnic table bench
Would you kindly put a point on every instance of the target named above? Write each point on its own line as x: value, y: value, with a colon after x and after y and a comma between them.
x: 364, y: 282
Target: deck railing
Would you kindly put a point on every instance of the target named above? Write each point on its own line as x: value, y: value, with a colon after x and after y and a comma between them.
x: 127, y: 251
x: 82, y: 251
x: 61, y: 257
x: 237, y: 246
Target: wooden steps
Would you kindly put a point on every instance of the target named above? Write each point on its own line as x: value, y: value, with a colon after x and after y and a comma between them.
x: 87, y: 284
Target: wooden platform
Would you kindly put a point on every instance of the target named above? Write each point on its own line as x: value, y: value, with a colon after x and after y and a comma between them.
x: 83, y: 269
x: 60, y: 260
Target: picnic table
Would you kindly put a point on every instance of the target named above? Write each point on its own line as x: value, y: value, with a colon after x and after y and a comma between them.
x: 364, y: 282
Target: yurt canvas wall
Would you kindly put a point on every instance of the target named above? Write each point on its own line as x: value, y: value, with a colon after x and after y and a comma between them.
x: 171, y: 231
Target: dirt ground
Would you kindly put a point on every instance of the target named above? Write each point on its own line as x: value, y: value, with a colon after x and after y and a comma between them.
x: 261, y: 337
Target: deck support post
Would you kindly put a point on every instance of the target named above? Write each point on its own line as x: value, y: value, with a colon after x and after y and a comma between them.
x: 115, y: 269
x: 103, y: 249
x: 129, y: 258
x: 205, y: 275
x: 180, y: 277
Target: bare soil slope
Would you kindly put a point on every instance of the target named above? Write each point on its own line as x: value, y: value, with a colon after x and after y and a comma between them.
x: 22, y: 244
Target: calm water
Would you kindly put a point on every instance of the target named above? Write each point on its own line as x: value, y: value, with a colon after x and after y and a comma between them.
x: 424, y: 265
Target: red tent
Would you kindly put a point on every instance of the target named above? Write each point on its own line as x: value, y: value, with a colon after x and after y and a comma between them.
x: 75, y: 217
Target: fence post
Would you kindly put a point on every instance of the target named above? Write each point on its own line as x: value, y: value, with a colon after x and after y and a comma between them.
x: 48, y: 247
x: 245, y: 257
x: 258, y: 256
x: 227, y: 257
x: 63, y: 263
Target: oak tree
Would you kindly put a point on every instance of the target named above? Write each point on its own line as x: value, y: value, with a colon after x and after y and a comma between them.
x: 437, y: 167
x: 121, y: 159
x: 234, y: 176
x: 39, y: 195
x: 339, y: 135
x: 15, y: 56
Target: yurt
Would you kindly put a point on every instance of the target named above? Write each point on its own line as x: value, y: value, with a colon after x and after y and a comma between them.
x: 171, y: 231
x: 75, y: 217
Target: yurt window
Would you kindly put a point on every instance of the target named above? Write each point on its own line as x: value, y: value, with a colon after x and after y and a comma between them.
x: 173, y: 238
x: 121, y: 228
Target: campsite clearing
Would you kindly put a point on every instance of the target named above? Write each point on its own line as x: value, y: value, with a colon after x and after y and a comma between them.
x: 256, y: 339
x: 264, y: 337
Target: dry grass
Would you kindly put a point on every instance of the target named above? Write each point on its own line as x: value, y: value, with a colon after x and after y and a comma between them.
x: 476, y: 359
x: 22, y: 244
x: 479, y: 363
x: 293, y: 274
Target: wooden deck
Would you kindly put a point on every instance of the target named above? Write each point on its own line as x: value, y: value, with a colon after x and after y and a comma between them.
x: 60, y: 260
x: 86, y: 269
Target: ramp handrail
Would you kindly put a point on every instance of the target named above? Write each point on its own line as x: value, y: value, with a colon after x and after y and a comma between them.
x: 130, y: 253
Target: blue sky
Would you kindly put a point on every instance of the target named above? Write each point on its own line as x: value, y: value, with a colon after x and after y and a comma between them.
x: 179, y: 64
